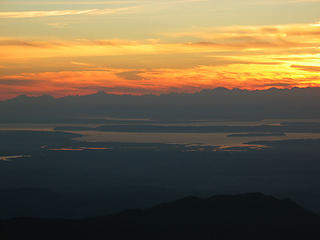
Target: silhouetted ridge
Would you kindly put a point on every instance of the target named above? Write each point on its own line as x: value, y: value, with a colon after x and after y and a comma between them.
x: 244, y: 216
x: 228, y: 209
x: 219, y: 103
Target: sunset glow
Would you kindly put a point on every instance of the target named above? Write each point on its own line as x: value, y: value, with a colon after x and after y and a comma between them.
x: 123, y: 47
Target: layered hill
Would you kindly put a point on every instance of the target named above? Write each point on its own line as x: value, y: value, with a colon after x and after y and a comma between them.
x: 244, y: 216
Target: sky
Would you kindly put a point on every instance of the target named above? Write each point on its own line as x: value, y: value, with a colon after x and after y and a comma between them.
x: 78, y: 47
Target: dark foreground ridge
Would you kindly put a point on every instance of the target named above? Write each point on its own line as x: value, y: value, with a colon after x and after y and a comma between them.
x: 245, y: 216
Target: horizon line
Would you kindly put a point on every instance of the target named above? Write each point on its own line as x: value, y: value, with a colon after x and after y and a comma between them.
x: 153, y: 94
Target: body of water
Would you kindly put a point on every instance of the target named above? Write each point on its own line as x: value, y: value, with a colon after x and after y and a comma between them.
x: 216, y: 139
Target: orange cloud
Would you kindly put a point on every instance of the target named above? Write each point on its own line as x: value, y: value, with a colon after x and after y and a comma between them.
x: 307, y: 68
x: 157, y: 81
x: 251, y: 57
x: 244, y: 40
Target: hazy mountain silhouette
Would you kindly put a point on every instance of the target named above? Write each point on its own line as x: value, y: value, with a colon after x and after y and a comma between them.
x: 258, y: 130
x: 245, y: 216
x: 219, y: 103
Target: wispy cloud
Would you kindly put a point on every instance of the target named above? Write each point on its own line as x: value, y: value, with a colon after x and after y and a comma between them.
x: 278, y: 2
x: 101, y: 2
x: 261, y: 44
x: 71, y: 2
x: 37, y: 14
x: 156, y: 81
x: 266, y: 31
x: 307, y: 68
x: 251, y: 57
x: 302, y: 1
x: 81, y: 64
x: 58, y: 24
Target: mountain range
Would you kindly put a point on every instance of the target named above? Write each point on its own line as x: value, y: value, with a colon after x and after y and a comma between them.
x: 215, y: 104
x: 243, y: 216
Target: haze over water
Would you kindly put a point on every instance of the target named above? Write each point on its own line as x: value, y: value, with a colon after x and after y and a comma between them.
x: 215, y: 139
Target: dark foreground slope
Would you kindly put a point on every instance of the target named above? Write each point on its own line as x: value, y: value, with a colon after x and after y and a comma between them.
x: 245, y: 216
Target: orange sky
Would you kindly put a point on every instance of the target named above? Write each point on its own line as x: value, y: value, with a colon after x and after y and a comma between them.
x: 180, y: 59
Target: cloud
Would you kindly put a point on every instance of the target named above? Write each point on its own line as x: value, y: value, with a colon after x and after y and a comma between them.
x: 28, y: 43
x: 282, y: 2
x: 307, y: 68
x: 246, y: 57
x: 58, y: 25
x: 17, y: 82
x: 82, y: 64
x: 291, y: 37
x: 249, y: 33
x: 129, y: 7
x: 304, y: 1
x: 37, y: 14
x: 72, y: 2
x: 130, y: 75
x: 103, y: 2
x: 160, y: 80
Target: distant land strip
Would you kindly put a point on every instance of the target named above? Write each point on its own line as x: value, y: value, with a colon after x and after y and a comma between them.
x: 259, y: 130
